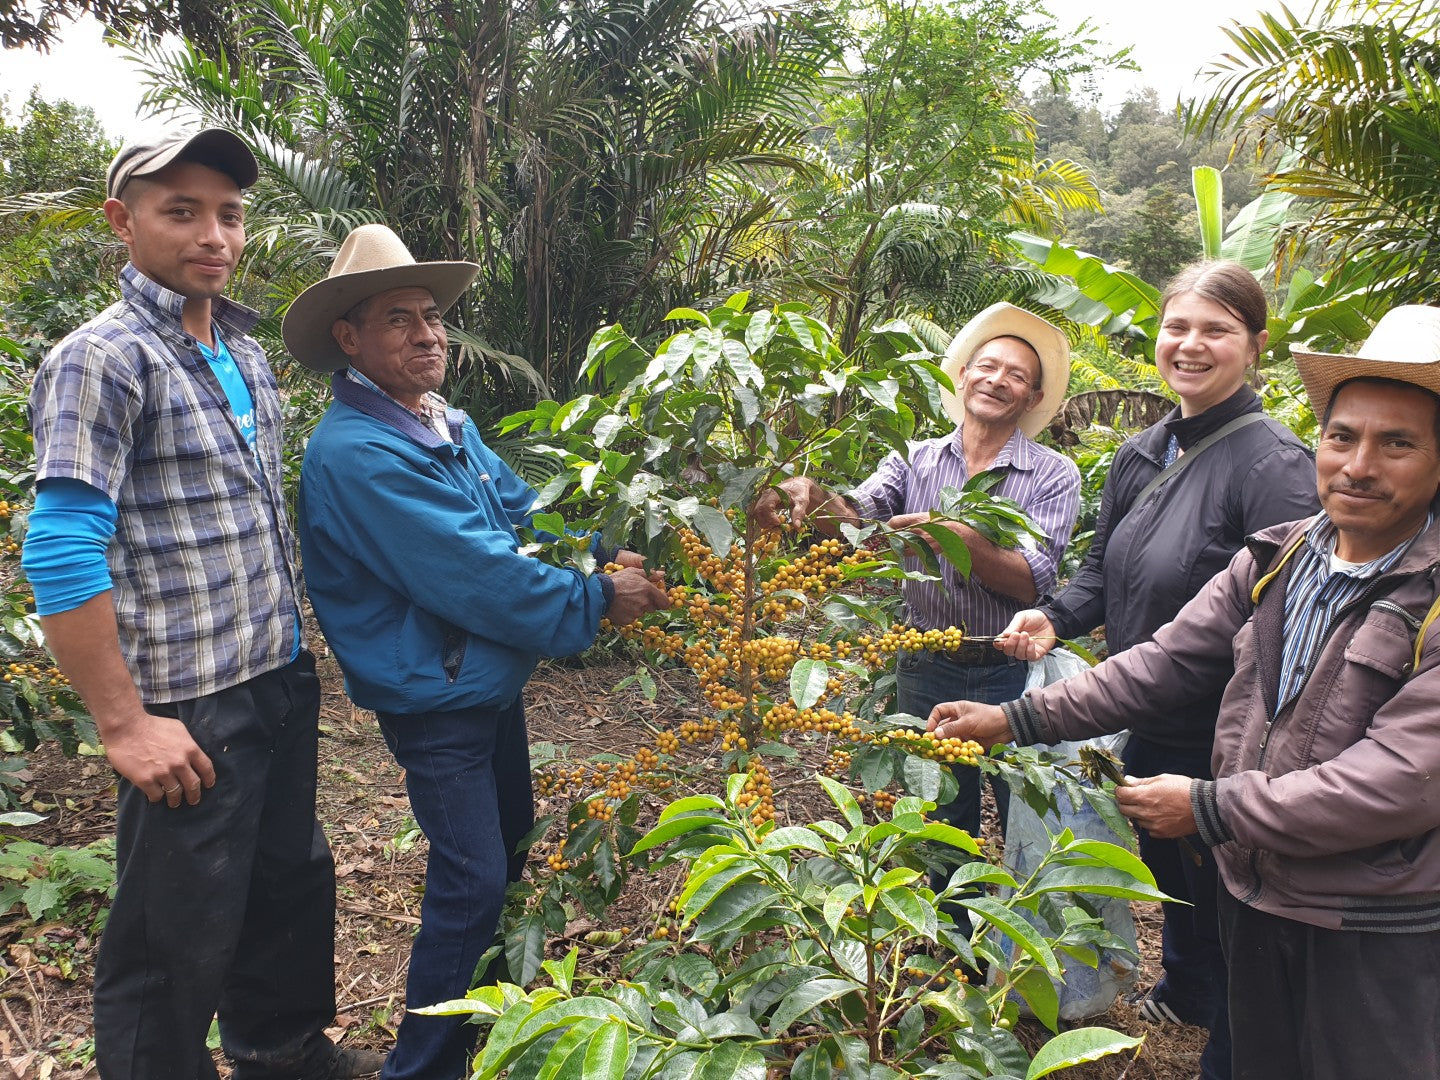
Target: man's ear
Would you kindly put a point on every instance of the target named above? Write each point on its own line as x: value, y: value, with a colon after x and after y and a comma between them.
x: 118, y: 215
x: 346, y: 336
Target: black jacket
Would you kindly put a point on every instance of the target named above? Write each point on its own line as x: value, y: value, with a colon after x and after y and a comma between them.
x: 1147, y: 562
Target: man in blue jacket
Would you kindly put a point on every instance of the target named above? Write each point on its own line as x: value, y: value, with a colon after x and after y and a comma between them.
x: 407, y: 531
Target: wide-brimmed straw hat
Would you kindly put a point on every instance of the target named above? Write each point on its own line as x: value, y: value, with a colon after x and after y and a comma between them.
x: 372, y: 260
x: 1007, y: 320
x: 1404, y: 346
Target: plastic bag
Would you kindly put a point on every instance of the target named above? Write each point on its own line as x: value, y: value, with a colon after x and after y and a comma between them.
x: 1086, y: 991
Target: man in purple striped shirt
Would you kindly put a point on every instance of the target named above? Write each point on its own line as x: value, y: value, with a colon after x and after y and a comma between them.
x: 1010, y: 370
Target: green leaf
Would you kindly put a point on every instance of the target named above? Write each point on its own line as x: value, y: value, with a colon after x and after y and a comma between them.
x: 20, y: 817
x: 608, y: 1054
x: 844, y: 801
x: 668, y: 830
x: 525, y: 947
x: 813, y: 1063
x: 606, y: 428
x: 921, y: 776
x: 43, y: 898
x: 836, y: 901
x: 911, y: 911
x: 1071, y: 1048
x: 1014, y: 926
x: 951, y: 546
x: 791, y: 838
x: 808, y: 679
x: 567, y: 1057
x: 806, y: 997
x: 715, y: 527
x: 686, y: 314
x: 1100, y: 880
x: 1210, y: 202
x: 1040, y: 994
x: 732, y: 1061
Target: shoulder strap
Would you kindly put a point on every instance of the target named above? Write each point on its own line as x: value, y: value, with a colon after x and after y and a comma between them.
x: 1179, y: 464
x: 1264, y: 582
x: 1430, y: 617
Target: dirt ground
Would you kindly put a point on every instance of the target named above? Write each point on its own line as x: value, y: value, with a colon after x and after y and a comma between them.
x: 45, y: 971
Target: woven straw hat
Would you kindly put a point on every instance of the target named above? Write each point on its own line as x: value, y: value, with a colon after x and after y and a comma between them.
x: 372, y: 260
x: 1404, y: 346
x: 1007, y: 320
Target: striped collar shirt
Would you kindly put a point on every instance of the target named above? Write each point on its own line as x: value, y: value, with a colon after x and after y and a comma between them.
x: 1316, y: 594
x: 206, y: 590
x: 1044, y: 483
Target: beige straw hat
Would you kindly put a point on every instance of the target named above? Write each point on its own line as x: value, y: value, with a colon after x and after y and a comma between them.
x: 1404, y: 346
x: 1007, y: 320
x: 372, y: 260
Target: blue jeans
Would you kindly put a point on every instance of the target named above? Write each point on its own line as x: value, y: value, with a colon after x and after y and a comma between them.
x: 1194, y: 981
x: 468, y: 776
x: 922, y: 681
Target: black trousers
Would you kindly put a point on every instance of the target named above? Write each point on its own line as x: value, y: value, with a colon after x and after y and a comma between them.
x: 1194, y: 979
x: 1307, y: 1003
x: 228, y: 906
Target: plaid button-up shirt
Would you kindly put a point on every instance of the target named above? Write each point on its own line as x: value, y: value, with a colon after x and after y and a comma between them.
x: 205, y: 585
x: 1044, y: 483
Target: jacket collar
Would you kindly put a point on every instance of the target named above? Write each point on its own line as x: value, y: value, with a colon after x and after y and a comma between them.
x: 164, y: 306
x: 1424, y: 553
x: 1189, y: 430
x: 391, y: 413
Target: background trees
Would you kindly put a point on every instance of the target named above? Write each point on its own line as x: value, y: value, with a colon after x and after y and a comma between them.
x: 1351, y: 104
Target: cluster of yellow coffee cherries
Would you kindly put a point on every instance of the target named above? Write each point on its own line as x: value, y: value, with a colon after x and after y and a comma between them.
x: 8, y: 544
x: 730, y: 665
x: 46, y: 678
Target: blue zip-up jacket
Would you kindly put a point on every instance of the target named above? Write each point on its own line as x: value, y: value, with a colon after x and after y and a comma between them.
x: 413, y: 565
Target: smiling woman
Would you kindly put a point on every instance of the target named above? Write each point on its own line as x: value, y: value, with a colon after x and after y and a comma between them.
x: 1155, y: 546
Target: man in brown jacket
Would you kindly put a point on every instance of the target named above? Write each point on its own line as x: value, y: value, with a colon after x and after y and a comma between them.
x: 1325, y: 811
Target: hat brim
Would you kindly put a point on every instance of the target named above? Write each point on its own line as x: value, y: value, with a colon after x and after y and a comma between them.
x: 1321, y: 373
x: 306, y: 326
x: 1007, y: 320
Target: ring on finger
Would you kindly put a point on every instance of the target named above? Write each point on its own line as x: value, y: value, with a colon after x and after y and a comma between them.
x: 171, y: 790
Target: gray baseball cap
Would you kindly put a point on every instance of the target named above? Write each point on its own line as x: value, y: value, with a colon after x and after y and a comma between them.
x: 218, y: 148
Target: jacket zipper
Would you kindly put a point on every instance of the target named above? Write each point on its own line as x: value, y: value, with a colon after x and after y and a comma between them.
x: 1395, y: 609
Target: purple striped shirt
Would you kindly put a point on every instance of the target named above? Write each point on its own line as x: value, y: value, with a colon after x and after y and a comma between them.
x: 1045, y: 484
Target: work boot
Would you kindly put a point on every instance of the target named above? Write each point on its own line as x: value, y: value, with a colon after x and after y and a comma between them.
x: 346, y: 1063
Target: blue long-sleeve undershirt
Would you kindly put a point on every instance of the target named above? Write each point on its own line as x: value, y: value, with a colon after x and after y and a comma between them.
x: 64, y: 557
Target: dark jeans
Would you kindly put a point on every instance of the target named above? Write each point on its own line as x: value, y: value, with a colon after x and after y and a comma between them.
x: 468, y: 775
x: 227, y: 906
x: 1193, y: 984
x: 1314, y: 1004
x: 922, y: 681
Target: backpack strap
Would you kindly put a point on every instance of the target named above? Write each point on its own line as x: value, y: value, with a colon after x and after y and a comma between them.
x: 1264, y: 582
x: 1430, y: 617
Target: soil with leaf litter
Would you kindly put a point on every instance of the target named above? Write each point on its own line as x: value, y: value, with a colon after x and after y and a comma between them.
x: 45, y: 970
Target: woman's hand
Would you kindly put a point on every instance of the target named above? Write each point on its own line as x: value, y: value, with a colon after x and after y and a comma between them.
x: 1029, y: 636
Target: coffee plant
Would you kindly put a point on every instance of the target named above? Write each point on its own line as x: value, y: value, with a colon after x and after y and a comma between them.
x: 791, y: 637
x: 816, y: 951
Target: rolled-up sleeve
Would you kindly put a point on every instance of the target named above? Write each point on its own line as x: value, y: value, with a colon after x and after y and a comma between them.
x: 882, y: 496
x: 1052, y: 502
